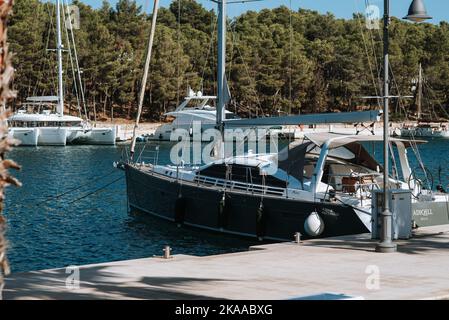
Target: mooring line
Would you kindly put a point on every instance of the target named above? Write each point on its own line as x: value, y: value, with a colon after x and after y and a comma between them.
x: 55, y: 197
x: 96, y: 190
x: 74, y: 188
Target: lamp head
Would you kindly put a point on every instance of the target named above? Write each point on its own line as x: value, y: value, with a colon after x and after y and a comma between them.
x: 417, y: 12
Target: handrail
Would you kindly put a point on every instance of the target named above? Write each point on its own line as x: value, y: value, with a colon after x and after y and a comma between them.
x: 148, y: 154
x: 237, y: 185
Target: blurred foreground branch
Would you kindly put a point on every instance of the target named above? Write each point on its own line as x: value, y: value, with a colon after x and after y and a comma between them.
x: 6, y: 143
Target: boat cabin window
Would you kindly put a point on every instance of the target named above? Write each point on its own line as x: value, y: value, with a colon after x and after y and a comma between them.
x: 169, y: 119
x: 33, y: 124
x: 336, y: 172
x: 240, y: 173
x: 197, y: 103
x: 72, y: 123
x: 309, y: 167
x: 22, y: 124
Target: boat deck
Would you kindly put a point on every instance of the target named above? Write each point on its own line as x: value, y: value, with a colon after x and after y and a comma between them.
x: 344, y: 265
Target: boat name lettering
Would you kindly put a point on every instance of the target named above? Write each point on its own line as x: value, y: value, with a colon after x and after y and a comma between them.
x: 423, y: 212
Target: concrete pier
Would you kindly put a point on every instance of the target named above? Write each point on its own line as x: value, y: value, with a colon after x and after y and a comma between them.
x: 340, y: 266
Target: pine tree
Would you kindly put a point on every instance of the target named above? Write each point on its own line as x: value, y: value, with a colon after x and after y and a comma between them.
x: 278, y: 60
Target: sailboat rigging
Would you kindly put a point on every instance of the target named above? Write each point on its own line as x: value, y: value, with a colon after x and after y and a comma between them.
x: 425, y: 126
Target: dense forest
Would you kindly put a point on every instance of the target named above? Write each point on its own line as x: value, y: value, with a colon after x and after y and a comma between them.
x: 279, y: 61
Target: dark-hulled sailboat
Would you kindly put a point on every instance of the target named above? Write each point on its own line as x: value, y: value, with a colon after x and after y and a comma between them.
x: 320, y: 186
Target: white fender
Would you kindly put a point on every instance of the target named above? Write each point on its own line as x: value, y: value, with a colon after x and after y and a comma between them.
x: 314, y: 225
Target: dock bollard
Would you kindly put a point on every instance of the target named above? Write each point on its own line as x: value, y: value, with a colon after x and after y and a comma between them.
x: 298, y: 237
x: 167, y: 251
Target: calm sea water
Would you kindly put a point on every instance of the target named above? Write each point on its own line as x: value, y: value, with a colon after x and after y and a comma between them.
x: 72, y: 210
x: 57, y: 219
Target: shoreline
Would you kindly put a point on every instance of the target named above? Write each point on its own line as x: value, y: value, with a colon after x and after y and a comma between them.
x: 125, y: 128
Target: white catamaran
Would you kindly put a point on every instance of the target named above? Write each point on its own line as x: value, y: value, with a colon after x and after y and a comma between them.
x: 41, y: 120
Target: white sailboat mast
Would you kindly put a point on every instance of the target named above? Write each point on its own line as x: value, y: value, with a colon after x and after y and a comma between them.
x: 419, y: 97
x: 221, y: 76
x: 60, y: 107
x: 145, y: 76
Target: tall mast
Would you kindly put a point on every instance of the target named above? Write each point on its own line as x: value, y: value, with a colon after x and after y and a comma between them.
x: 419, y: 97
x: 60, y: 108
x: 145, y: 76
x: 221, y: 73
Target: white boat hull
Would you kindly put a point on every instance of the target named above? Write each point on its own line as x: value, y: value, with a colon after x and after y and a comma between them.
x: 106, y: 136
x: 61, y: 136
x: 96, y: 136
x: 424, y: 133
x: 26, y: 136
x: 164, y: 133
x: 39, y: 136
x: 52, y: 136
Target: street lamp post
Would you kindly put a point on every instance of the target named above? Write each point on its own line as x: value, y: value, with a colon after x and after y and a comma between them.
x: 417, y: 13
x: 386, y: 244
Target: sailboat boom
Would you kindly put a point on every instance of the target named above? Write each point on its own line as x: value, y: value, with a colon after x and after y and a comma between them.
x: 307, y: 119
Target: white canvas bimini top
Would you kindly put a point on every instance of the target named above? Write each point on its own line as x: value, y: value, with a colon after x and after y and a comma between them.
x: 43, y: 99
x: 53, y: 117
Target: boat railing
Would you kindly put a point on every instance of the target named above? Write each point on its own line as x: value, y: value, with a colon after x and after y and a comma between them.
x: 148, y: 155
x: 239, y: 186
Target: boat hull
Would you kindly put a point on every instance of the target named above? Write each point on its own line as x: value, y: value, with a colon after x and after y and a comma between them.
x: 106, y: 136
x: 61, y: 136
x: 164, y: 132
x: 431, y: 213
x: 26, y: 136
x: 424, y: 133
x: 52, y: 136
x: 202, y: 207
x: 94, y: 136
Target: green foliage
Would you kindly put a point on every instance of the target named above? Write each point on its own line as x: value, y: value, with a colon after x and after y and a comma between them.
x: 28, y: 38
x: 279, y: 61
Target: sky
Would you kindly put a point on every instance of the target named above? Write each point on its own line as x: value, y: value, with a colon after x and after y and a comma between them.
x: 438, y: 9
